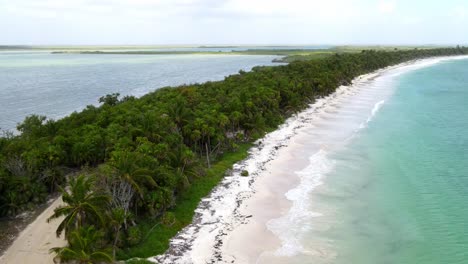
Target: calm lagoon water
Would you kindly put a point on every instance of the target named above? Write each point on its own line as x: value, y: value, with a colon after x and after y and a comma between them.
x: 238, y: 48
x: 398, y: 192
x: 57, y: 84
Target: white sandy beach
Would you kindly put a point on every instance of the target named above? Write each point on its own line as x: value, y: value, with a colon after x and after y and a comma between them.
x: 33, y: 244
x: 258, y: 219
x: 251, y: 219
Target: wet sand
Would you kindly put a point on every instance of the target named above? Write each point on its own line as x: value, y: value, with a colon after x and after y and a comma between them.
x: 234, y: 223
x: 231, y: 224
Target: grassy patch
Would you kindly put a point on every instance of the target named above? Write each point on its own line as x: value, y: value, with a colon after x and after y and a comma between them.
x: 156, y: 236
x: 309, y: 56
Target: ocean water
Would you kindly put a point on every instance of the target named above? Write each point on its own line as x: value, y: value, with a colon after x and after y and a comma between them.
x: 208, y: 48
x: 57, y: 84
x: 396, y: 191
x: 410, y: 170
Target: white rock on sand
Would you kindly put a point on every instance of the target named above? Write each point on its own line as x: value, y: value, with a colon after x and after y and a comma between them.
x: 231, y: 224
x: 33, y: 244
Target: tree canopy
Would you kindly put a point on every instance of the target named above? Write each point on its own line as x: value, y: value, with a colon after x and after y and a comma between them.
x: 143, y: 152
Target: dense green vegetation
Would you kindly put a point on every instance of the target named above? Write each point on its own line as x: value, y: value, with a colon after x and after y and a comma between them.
x: 289, y: 53
x: 149, y: 160
x: 157, y: 232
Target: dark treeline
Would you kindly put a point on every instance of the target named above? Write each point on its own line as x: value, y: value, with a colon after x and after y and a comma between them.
x: 135, y: 156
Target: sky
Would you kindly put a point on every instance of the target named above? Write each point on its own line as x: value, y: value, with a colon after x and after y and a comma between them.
x: 222, y: 22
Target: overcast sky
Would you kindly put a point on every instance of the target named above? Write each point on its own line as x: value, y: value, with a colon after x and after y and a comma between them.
x: 118, y: 22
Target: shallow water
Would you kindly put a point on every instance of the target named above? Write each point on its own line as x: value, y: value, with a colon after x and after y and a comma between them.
x: 414, y: 156
x: 57, y: 84
x: 396, y: 191
x: 209, y: 48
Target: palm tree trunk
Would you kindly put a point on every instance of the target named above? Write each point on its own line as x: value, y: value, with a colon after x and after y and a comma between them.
x: 207, y: 155
x: 114, y: 246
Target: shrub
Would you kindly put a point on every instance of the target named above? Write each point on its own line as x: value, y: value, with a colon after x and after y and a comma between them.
x: 134, y: 236
x: 168, y: 219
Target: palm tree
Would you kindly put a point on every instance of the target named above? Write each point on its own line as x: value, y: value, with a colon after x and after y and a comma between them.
x: 82, y: 204
x: 83, y: 248
x: 52, y: 178
x: 117, y: 219
x: 125, y: 165
x: 179, y: 114
x: 9, y: 203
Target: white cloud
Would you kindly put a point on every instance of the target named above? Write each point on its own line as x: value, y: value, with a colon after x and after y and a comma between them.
x: 310, y: 9
x: 229, y: 21
x: 386, y: 6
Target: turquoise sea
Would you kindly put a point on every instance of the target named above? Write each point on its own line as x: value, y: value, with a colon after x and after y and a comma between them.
x: 398, y: 193
x: 383, y: 172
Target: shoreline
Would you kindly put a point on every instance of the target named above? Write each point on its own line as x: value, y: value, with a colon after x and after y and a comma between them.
x: 32, y: 244
x: 244, y: 209
x: 229, y: 208
x: 13, y: 226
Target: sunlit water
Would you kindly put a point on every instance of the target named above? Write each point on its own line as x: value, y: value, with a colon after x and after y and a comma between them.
x: 58, y: 84
x: 396, y: 192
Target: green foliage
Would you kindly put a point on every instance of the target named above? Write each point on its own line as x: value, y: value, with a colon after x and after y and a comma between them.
x: 134, y: 236
x: 157, y: 235
x: 20, y: 193
x: 168, y: 219
x: 244, y: 173
x: 161, y: 153
x: 32, y: 126
x: 82, y: 206
x: 110, y: 99
x: 84, y: 247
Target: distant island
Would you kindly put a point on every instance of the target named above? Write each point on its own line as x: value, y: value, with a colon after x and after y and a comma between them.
x: 288, y: 54
x: 142, y: 165
x: 216, y: 47
x: 15, y: 47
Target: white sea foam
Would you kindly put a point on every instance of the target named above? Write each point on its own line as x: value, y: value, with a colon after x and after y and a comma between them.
x: 374, y: 111
x: 376, y: 108
x: 218, y: 213
x: 360, y: 102
x: 299, y: 215
x: 328, y: 124
x: 370, y: 94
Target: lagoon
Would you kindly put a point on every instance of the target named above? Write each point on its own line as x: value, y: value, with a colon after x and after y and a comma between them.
x: 55, y: 85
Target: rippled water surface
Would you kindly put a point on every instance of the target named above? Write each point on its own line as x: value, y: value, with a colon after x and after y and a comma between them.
x: 58, y: 84
x: 398, y: 192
